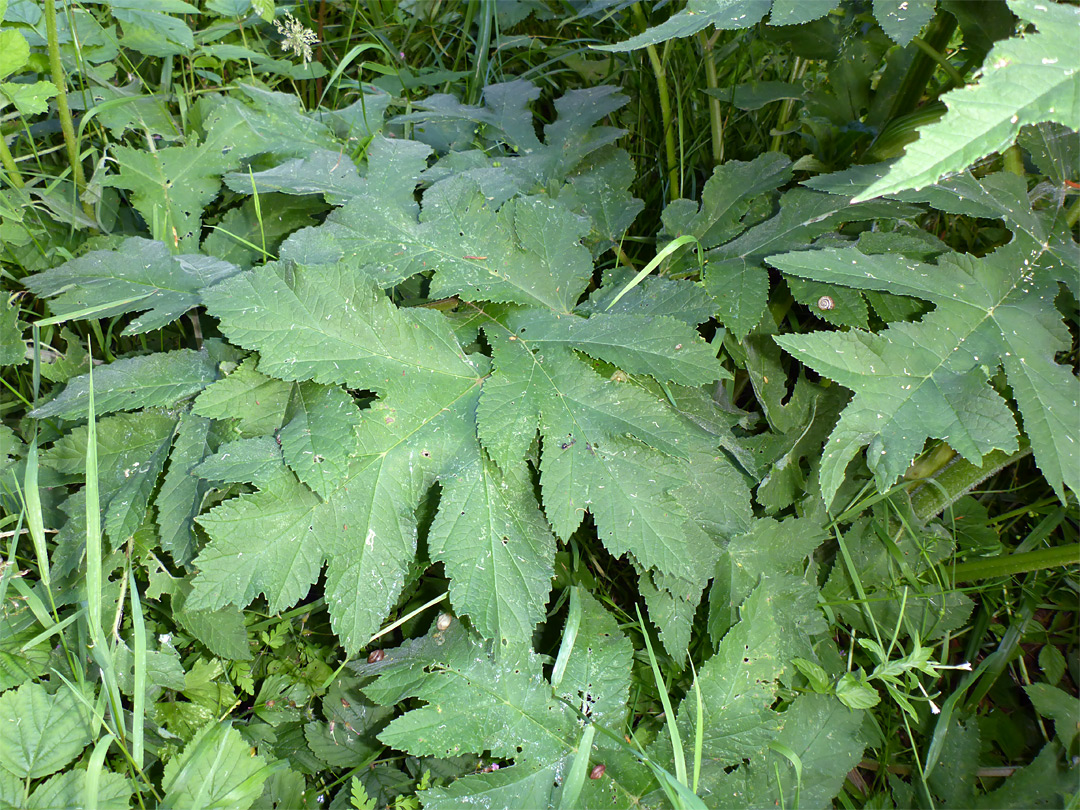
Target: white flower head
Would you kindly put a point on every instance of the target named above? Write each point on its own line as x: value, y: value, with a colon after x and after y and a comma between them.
x: 297, y: 38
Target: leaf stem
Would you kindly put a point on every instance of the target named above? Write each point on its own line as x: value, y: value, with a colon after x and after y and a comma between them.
x: 1013, y: 160
x: 716, y: 119
x: 14, y: 177
x: 665, y: 109
x: 1007, y: 565
x: 62, y: 107
x: 938, y: 57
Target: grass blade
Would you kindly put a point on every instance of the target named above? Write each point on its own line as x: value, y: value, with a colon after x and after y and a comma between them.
x: 575, y: 779
x: 669, y: 714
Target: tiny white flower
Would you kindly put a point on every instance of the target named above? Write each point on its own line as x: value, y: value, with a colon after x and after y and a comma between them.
x: 297, y: 38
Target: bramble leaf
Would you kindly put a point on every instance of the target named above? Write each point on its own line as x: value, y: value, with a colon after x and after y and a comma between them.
x: 42, y: 732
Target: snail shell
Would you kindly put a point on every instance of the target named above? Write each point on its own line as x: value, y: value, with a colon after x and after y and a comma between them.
x: 825, y: 303
x: 374, y: 657
x: 597, y: 771
x: 443, y: 621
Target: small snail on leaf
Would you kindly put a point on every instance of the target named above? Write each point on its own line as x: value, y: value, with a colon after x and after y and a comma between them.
x: 826, y: 303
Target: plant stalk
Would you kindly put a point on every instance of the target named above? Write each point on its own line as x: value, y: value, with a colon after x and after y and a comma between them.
x: 8, y: 162
x: 1014, y: 161
x: 716, y: 119
x: 798, y: 70
x: 665, y: 109
x: 62, y: 107
x: 948, y: 484
x: 937, y: 56
x: 1007, y: 565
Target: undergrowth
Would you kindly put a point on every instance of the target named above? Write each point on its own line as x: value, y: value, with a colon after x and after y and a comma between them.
x: 536, y: 404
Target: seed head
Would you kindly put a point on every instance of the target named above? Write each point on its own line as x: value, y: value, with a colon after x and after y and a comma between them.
x: 296, y: 37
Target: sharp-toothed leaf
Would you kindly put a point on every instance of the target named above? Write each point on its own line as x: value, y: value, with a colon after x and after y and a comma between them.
x: 497, y: 549
x: 930, y: 379
x: 147, y: 381
x: 1025, y: 80
x: 320, y: 435
x: 143, y: 276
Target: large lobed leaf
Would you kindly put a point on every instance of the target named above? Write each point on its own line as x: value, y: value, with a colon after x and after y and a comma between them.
x: 498, y: 701
x: 1025, y: 80
x: 914, y: 381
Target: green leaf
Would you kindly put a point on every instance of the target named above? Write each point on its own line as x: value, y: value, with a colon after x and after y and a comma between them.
x: 152, y: 32
x: 796, y: 12
x: 256, y: 403
x: 498, y: 702
x: 725, y: 199
x: 248, y: 233
x: 654, y: 295
x: 821, y: 733
x: 1059, y: 706
x: 260, y: 546
x: 164, y: 286
x: 74, y: 359
x: 146, y: 381
x: 929, y: 380
x: 738, y: 688
x: 415, y: 432
x: 128, y: 506
x: 324, y: 171
x: 525, y: 252
x: 1025, y: 80
x: 586, y: 462
x: 272, y: 308
x: 725, y: 15
x: 639, y: 344
x: 171, y: 186
x: 497, y: 549
x: 29, y: 99
x: 320, y: 435
x: 264, y: 8
x: 68, y: 790
x: 221, y: 631
x: 14, y: 52
x: 358, y: 797
x: 902, y: 20
x: 853, y: 691
x: 1046, y: 781
x: 215, y: 769
x: 348, y: 739
x: 955, y: 776
x: 1052, y: 663
x: 181, y: 492
x: 245, y: 461
x: 772, y: 548
x: 42, y: 732
x: 12, y: 347
x: 1055, y: 149
x: 125, y: 442
x: 734, y: 274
